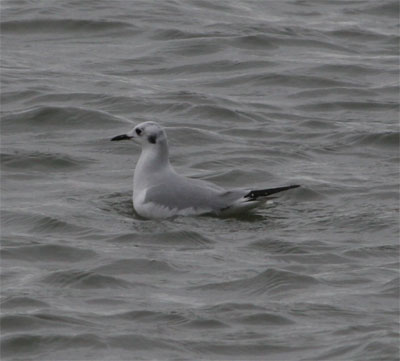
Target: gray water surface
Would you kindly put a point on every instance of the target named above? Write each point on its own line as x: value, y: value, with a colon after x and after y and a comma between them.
x: 252, y: 93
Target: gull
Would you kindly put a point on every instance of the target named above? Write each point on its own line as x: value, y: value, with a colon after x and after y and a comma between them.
x: 160, y: 192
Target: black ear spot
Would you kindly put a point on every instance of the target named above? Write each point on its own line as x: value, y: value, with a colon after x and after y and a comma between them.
x: 152, y: 139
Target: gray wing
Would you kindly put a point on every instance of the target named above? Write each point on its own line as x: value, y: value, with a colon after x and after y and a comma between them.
x: 183, y: 193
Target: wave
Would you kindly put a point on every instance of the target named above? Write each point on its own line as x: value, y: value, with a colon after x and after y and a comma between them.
x: 389, y: 140
x: 137, y: 266
x: 181, y: 239
x: 349, y: 105
x: 265, y: 319
x: 245, y: 349
x: 281, y: 80
x: 269, y: 281
x: 205, y: 111
x: 34, y: 321
x: 22, y: 302
x: 34, y: 223
x: 40, y: 161
x: 179, y: 34
x: 47, y: 253
x: 280, y: 247
x: 333, y: 92
x: 317, y: 258
x: 28, y: 345
x: 386, y: 9
x: 215, y: 66
x: 54, y: 26
x: 380, y: 252
x: 84, y: 280
x: 205, y: 323
x: 231, y: 314
x: 346, y: 70
x: 391, y: 288
x: 172, y: 318
x: 381, y: 139
x: 255, y: 41
x: 359, y: 34
x: 136, y: 342
x: 359, y: 350
x: 50, y: 118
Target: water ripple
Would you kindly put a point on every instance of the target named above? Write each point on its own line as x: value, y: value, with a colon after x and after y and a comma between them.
x: 46, y: 253
x: 30, y: 26
x: 269, y: 281
x: 84, y: 280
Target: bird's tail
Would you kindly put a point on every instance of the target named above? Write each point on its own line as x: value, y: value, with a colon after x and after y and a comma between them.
x: 253, y: 195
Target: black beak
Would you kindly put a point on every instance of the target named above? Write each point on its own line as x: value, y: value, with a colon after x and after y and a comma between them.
x: 121, y: 137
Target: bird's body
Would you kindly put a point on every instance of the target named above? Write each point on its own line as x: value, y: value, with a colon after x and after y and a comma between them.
x: 159, y: 192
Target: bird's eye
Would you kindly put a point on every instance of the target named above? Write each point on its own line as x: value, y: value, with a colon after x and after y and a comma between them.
x: 138, y: 131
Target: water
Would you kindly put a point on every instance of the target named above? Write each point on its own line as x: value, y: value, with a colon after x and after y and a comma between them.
x: 260, y: 93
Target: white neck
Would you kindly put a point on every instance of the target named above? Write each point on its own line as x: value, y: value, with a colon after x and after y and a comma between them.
x: 152, y: 161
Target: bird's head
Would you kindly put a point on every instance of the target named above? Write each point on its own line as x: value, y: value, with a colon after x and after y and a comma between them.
x: 147, y: 133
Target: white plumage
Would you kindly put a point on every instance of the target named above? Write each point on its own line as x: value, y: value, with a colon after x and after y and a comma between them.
x: 159, y: 192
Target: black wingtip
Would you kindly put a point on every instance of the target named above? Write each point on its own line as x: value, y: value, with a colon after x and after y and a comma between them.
x: 252, y: 195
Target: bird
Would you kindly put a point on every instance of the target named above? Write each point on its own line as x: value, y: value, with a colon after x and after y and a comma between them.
x: 160, y: 192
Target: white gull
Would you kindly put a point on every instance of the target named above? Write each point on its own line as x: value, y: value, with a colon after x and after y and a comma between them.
x: 160, y: 192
